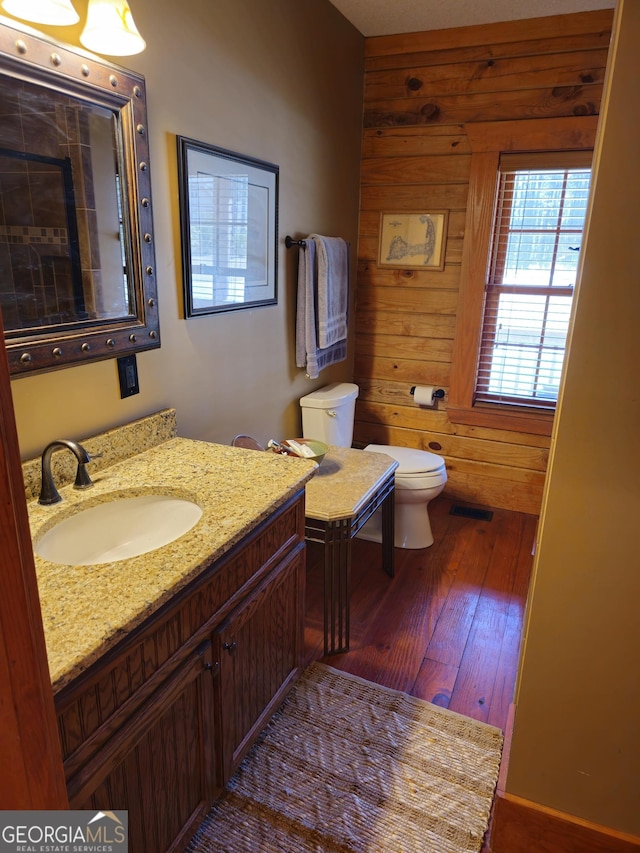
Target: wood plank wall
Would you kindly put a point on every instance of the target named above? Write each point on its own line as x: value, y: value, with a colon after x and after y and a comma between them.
x: 421, y: 90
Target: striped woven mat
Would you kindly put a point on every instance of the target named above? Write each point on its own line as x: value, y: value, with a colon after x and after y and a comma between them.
x: 348, y: 766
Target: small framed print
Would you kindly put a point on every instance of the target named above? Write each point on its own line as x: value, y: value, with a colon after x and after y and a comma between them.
x: 413, y: 240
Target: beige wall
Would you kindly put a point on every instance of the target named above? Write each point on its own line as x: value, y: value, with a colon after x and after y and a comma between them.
x: 576, y: 742
x: 280, y: 81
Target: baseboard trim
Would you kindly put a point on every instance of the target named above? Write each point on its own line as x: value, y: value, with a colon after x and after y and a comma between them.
x: 520, y: 826
x: 501, y: 785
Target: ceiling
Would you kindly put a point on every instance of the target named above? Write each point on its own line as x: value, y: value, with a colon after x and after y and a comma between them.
x: 385, y: 17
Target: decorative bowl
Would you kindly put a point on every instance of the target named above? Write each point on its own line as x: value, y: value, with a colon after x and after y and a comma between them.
x: 319, y: 448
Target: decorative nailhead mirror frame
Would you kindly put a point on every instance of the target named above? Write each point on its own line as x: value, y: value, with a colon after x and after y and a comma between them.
x: 31, y: 58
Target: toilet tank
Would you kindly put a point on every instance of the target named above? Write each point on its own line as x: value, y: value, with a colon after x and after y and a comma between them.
x: 328, y: 413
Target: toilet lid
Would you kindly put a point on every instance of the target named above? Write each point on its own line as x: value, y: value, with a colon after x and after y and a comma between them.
x: 410, y: 461
x: 330, y: 396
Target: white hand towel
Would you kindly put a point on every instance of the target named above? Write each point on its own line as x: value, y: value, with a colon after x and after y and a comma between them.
x: 306, y: 340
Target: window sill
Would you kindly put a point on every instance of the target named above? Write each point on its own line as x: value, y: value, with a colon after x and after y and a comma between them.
x: 537, y: 423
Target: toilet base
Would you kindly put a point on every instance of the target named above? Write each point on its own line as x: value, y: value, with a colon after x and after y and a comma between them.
x: 412, y: 527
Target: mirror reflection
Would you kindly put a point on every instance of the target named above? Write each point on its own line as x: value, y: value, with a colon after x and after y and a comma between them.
x: 77, y: 278
x: 60, y: 211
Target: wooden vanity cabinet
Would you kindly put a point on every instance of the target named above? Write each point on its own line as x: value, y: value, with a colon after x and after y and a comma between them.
x: 259, y: 648
x: 159, y: 723
x: 156, y: 762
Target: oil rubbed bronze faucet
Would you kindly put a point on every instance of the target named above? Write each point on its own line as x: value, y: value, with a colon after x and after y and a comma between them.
x: 48, y: 492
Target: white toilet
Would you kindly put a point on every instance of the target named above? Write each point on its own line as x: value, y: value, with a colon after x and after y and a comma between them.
x: 328, y: 415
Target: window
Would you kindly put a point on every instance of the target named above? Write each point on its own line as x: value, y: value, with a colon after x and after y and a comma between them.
x: 219, y: 205
x: 537, y: 234
x: 518, y: 269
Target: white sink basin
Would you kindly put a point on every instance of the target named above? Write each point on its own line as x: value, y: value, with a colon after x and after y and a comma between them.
x: 118, y: 529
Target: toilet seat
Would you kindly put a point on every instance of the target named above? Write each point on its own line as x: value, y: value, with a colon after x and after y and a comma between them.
x: 411, y: 463
x: 419, y: 478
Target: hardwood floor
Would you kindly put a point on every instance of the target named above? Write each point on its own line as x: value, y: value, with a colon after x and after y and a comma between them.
x: 447, y: 627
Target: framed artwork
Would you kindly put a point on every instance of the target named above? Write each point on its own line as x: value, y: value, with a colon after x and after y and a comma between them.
x: 414, y: 241
x: 229, y: 228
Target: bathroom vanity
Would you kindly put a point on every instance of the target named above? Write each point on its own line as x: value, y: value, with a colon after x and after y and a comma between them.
x: 167, y: 666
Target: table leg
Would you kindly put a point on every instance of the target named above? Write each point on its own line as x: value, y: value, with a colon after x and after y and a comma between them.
x: 337, y: 587
x: 388, y: 533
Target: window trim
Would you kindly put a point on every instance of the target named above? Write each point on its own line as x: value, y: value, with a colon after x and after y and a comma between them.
x: 488, y: 140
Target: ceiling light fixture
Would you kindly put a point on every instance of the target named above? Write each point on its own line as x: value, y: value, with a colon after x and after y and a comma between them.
x: 110, y: 29
x: 58, y: 13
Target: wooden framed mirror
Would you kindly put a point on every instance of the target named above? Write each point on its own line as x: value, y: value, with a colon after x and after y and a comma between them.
x: 77, y: 266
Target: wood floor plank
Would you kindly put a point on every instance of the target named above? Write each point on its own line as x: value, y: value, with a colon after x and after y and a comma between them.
x: 450, y: 637
x: 507, y: 668
x: 410, y: 623
x: 447, y: 627
x: 435, y: 682
x: 394, y: 644
x: 474, y: 686
x: 473, y: 689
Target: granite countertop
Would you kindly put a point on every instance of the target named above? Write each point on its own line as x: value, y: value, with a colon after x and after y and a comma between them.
x: 87, y: 609
x: 345, y: 481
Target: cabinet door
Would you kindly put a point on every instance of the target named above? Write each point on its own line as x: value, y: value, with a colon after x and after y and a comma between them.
x: 260, y: 652
x: 160, y: 765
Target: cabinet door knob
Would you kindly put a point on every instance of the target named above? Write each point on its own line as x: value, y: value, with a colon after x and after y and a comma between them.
x: 230, y: 647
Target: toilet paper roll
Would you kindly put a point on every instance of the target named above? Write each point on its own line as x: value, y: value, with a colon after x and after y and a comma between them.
x: 423, y: 395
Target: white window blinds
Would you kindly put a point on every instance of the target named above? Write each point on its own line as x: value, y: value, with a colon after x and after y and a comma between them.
x: 540, y: 212
x: 219, y: 208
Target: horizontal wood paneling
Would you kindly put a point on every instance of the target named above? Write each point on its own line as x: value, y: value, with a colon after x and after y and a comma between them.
x: 431, y: 349
x: 416, y: 170
x: 413, y: 141
x: 424, y: 92
x: 421, y: 300
x: 485, y: 106
x: 496, y: 52
x: 412, y: 197
x: 476, y: 469
x: 421, y: 325
x: 398, y: 408
x: 412, y: 371
x: 465, y: 447
x: 558, y: 31
x: 369, y: 275
x: 489, y: 75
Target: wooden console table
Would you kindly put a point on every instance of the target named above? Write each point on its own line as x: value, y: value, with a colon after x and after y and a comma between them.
x: 349, y: 486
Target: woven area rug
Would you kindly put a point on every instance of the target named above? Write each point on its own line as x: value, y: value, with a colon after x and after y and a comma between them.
x: 347, y: 766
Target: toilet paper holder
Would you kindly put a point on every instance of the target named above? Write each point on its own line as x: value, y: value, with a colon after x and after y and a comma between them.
x: 438, y: 394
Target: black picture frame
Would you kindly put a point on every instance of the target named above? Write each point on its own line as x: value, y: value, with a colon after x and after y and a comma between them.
x: 229, y: 229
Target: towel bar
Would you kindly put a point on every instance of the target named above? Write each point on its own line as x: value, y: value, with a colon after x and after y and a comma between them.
x: 289, y: 242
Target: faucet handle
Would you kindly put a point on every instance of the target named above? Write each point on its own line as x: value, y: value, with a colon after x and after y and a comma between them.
x: 83, y: 480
